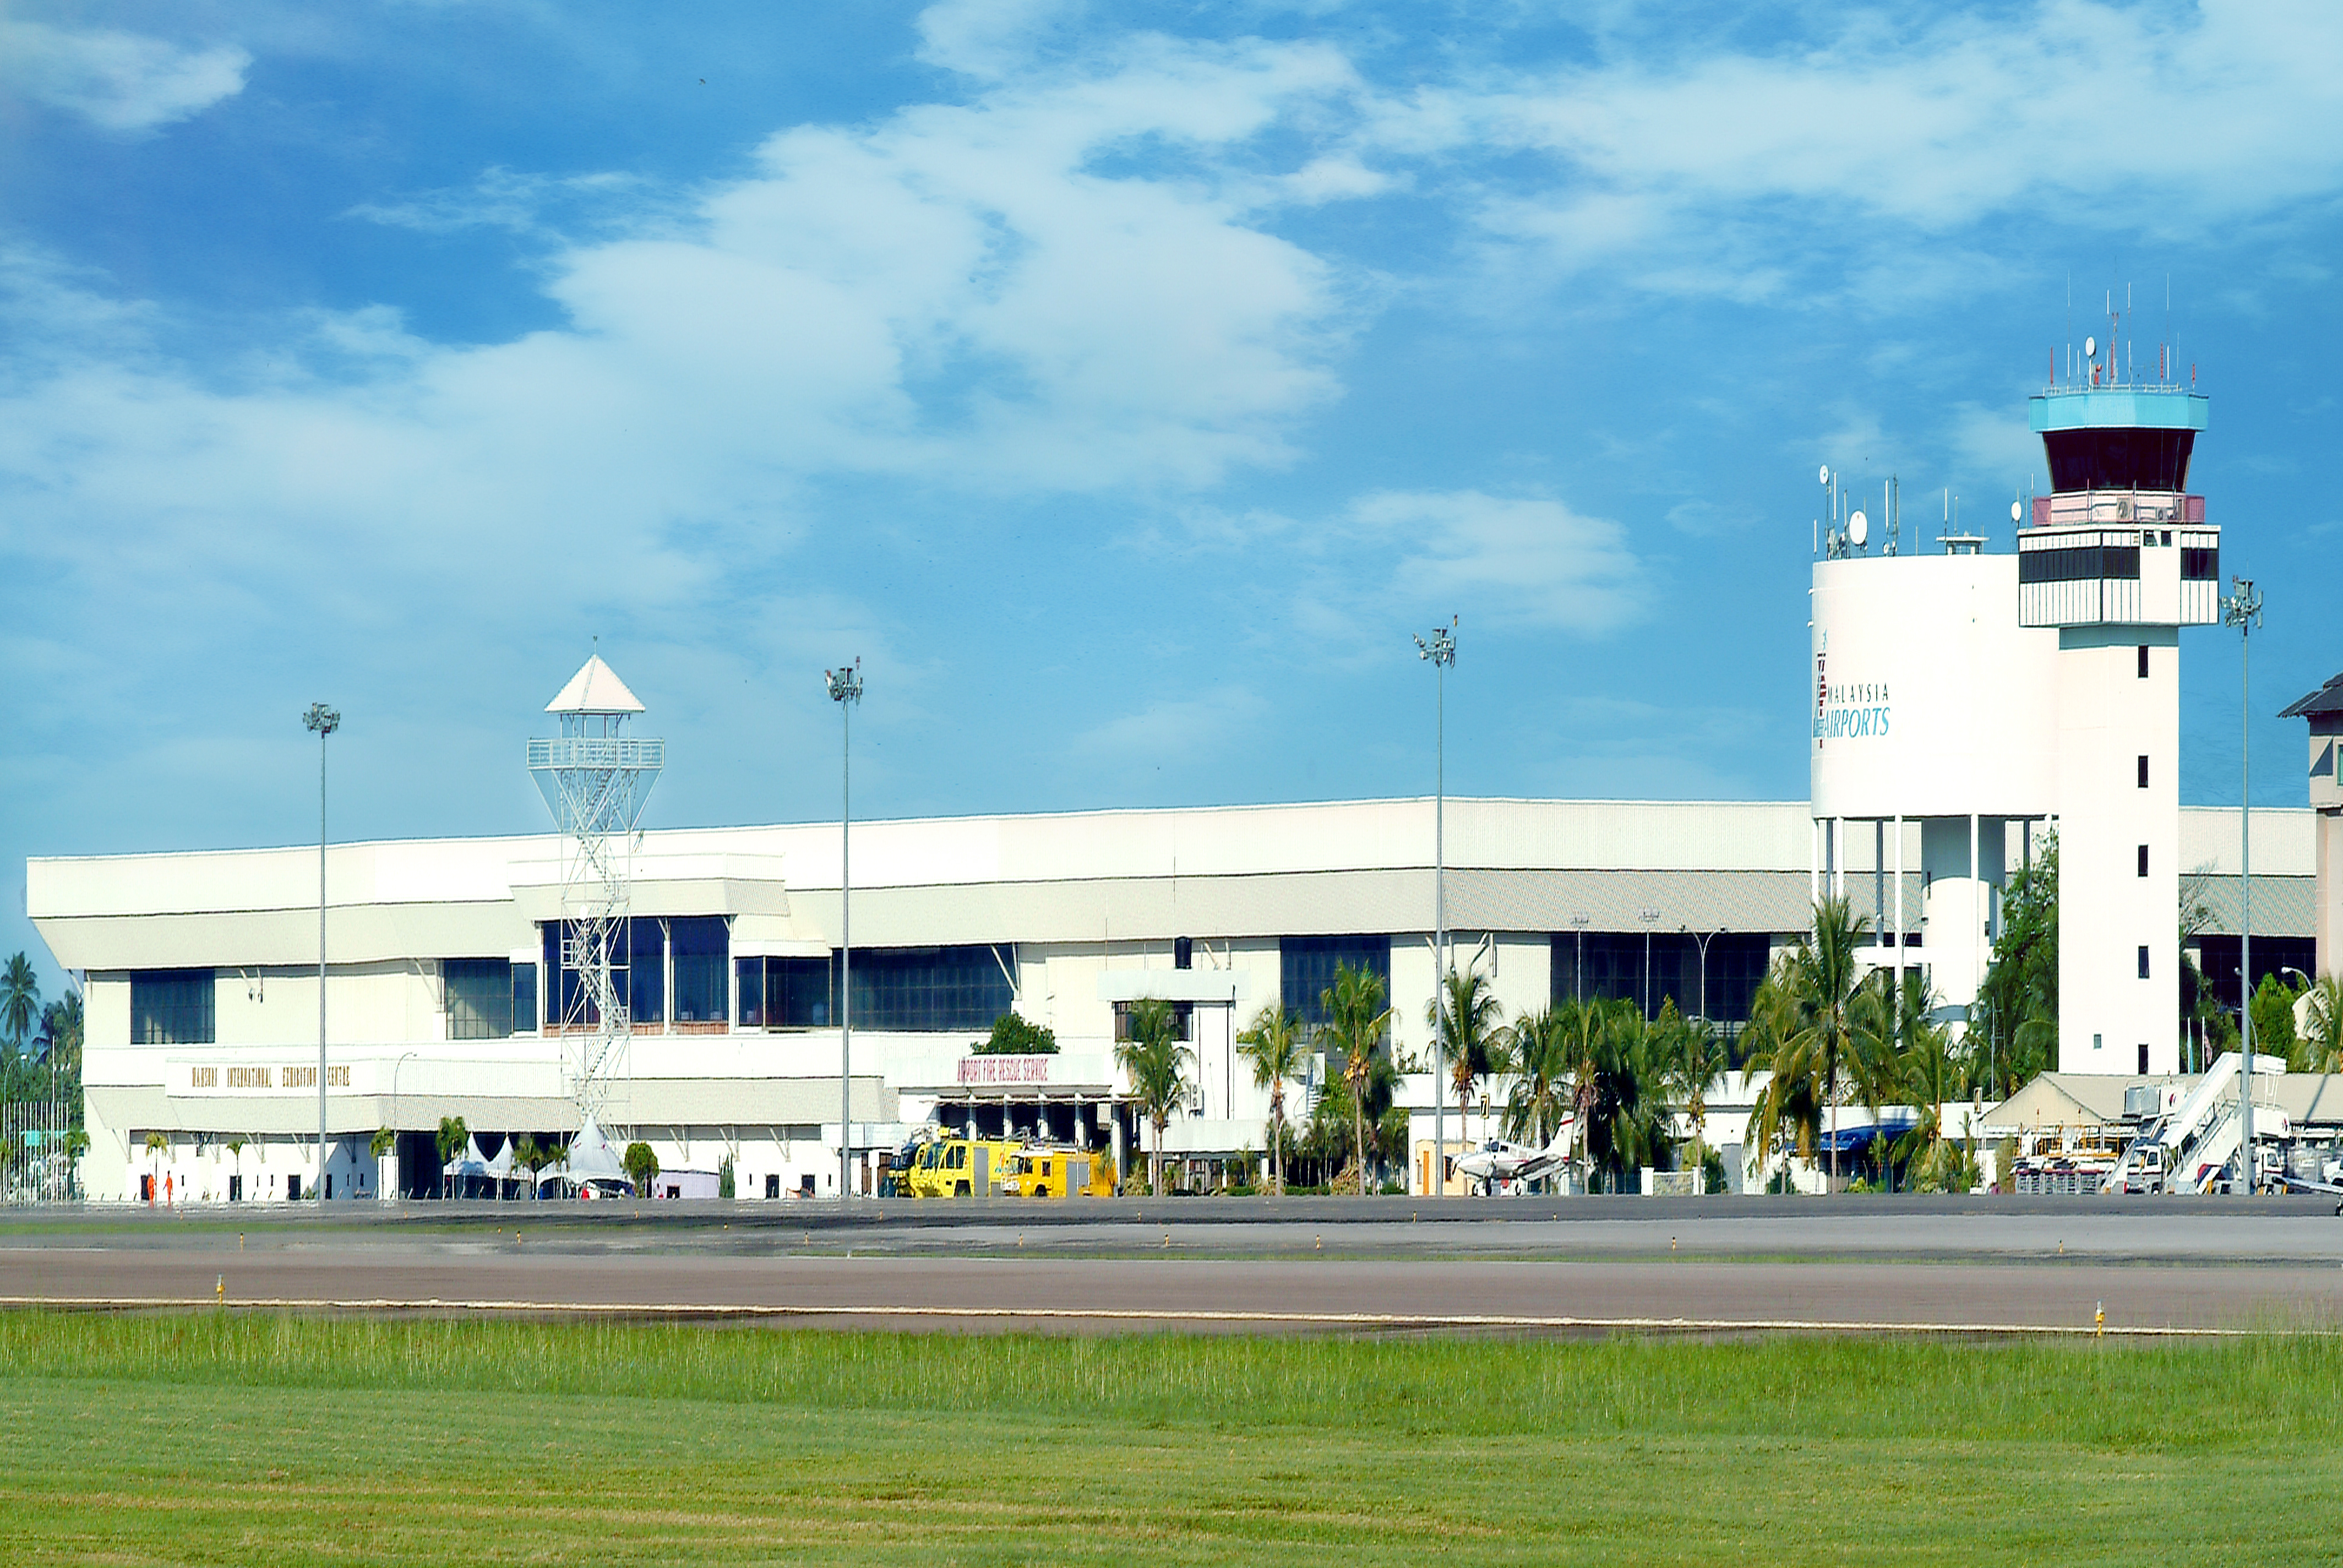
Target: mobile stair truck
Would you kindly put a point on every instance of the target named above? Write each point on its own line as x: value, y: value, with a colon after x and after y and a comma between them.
x: 2192, y: 1145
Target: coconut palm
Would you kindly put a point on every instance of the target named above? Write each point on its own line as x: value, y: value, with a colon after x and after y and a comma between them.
x: 1535, y: 1056
x: 1821, y: 1022
x: 235, y: 1155
x: 1468, y: 1025
x: 20, y: 1000
x: 2323, y: 1044
x: 1929, y: 1077
x: 60, y: 1042
x: 451, y: 1139
x: 156, y: 1145
x: 1356, y: 1018
x: 1694, y: 1056
x: 1627, y: 1119
x: 1273, y: 1044
x: 1155, y: 1058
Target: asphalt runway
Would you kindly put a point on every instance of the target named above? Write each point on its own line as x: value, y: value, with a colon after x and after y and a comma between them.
x: 1578, y: 1267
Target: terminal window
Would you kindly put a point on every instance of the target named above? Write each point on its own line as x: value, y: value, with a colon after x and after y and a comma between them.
x: 523, y: 998
x: 699, y: 948
x: 1306, y: 965
x: 786, y: 993
x: 480, y: 998
x: 931, y: 989
x: 172, y: 1007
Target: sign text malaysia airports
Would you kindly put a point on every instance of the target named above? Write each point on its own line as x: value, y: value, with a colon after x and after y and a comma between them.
x: 1004, y: 1070
x: 1844, y: 712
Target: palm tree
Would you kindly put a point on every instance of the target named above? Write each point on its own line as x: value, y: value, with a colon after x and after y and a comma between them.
x: 451, y: 1139
x: 1155, y: 1060
x: 1696, y: 1057
x: 20, y: 1000
x: 1468, y: 1023
x: 156, y: 1144
x: 1579, y: 1025
x: 1536, y: 1057
x: 1823, y: 1024
x: 1273, y: 1045
x: 235, y: 1154
x: 1356, y: 1018
x: 1930, y: 1077
x: 2324, y: 1043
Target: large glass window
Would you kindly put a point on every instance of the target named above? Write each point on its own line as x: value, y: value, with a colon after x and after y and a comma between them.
x: 523, y: 998
x: 172, y: 1007
x: 566, y: 1004
x: 644, y: 985
x: 699, y: 946
x: 786, y: 993
x: 1651, y: 969
x: 1306, y: 965
x: 480, y: 998
x: 929, y: 989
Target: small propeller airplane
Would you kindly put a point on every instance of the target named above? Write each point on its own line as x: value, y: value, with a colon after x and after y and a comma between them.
x: 1498, y: 1162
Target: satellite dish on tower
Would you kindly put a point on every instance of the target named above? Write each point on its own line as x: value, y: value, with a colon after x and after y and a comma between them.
x: 2017, y: 511
x: 1826, y: 473
x: 2090, y: 347
x: 1859, y: 527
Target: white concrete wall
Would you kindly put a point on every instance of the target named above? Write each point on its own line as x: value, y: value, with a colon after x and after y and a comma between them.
x: 2107, y: 910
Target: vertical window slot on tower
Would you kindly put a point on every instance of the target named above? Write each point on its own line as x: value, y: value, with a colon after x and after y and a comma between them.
x: 2143, y: 859
x: 2143, y: 661
x: 2143, y: 963
x: 2143, y: 771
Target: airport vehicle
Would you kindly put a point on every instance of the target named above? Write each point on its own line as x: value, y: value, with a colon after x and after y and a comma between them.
x: 2191, y: 1142
x: 954, y: 1166
x: 1499, y: 1164
x: 1053, y: 1172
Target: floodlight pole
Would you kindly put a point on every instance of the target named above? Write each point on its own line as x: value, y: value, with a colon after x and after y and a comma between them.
x: 2243, y: 609
x: 846, y: 690
x: 1442, y: 651
x: 323, y: 720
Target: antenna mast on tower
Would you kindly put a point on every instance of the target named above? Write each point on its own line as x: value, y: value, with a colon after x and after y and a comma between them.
x: 594, y: 779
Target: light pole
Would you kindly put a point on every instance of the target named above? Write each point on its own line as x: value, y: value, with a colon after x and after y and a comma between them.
x: 394, y: 1115
x: 324, y: 721
x: 1442, y: 651
x: 846, y: 690
x: 1703, y: 939
x: 2243, y: 609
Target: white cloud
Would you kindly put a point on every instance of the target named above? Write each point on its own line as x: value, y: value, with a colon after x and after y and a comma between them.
x: 118, y: 80
x: 500, y: 199
x: 1734, y: 171
x: 1515, y: 560
x: 1174, y: 733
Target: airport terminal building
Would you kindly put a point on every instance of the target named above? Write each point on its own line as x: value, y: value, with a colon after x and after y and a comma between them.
x: 445, y: 972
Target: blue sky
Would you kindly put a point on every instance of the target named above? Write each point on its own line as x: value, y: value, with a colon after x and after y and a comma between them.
x: 1124, y: 385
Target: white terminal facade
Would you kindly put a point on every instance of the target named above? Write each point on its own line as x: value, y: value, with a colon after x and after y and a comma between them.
x: 1961, y: 700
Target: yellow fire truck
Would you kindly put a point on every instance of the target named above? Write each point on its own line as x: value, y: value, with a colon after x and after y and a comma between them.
x: 957, y: 1167
x: 1055, y: 1172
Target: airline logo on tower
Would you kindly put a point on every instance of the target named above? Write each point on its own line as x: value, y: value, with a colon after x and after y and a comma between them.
x: 1856, y: 710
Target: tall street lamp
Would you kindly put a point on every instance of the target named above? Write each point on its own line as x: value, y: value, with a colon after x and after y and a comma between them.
x: 2243, y: 609
x: 324, y: 721
x: 846, y: 690
x: 1442, y: 651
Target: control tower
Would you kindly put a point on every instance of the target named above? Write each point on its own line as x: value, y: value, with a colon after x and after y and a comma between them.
x: 2117, y: 558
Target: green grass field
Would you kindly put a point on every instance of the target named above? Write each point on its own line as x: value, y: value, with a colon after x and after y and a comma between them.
x: 244, y: 1438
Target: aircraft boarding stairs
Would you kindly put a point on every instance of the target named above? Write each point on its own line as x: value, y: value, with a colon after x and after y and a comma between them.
x: 2192, y: 1143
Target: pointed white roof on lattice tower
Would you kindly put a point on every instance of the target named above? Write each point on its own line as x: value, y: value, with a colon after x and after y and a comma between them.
x: 595, y: 688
